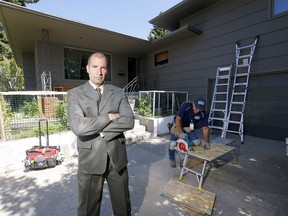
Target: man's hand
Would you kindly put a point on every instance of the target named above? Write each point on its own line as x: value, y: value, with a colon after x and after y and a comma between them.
x: 113, y: 116
x: 183, y: 136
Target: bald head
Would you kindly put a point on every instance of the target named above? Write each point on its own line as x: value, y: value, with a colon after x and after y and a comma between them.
x: 97, y: 68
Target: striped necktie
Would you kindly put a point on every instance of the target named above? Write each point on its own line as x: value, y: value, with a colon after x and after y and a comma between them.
x: 98, y: 90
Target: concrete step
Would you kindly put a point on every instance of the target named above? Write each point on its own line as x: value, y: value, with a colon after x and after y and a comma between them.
x: 132, y: 138
x: 138, y: 126
x: 138, y: 133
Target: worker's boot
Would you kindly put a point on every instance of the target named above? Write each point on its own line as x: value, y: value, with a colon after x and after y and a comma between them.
x: 172, y: 163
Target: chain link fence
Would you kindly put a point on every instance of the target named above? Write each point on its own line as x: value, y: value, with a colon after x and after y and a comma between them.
x: 20, y: 113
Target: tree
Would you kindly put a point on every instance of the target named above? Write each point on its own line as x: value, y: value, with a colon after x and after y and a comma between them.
x: 157, y: 32
x: 21, y: 2
x: 11, y: 76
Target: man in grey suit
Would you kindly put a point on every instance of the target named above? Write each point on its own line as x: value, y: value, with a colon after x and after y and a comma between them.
x: 98, y: 117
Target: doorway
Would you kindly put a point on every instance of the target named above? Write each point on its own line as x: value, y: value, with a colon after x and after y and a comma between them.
x: 132, y: 68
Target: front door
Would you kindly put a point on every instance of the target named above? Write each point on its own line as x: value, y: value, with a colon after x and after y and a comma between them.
x: 132, y: 68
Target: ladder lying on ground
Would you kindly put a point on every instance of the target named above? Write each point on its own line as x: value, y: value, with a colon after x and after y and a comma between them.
x: 235, y: 118
x: 219, y: 105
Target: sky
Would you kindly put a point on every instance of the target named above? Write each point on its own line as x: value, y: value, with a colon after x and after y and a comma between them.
x: 130, y: 17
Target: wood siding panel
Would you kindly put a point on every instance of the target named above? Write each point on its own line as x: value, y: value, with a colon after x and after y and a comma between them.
x: 266, y: 110
x: 194, y: 60
x: 29, y: 72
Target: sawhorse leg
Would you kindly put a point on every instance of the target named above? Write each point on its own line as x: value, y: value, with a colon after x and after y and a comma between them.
x: 202, y: 175
x: 183, y: 170
x: 199, y: 176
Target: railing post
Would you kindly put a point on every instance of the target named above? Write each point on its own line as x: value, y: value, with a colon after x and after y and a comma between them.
x: 40, y: 110
x: 173, y: 101
x: 2, y: 123
x: 153, y: 104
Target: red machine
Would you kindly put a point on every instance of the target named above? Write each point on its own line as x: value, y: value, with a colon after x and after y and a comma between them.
x: 184, y: 145
x: 40, y: 157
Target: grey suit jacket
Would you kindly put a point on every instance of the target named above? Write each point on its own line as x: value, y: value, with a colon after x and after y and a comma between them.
x: 87, y: 121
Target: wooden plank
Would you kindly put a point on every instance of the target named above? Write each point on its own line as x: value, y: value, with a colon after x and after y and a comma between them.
x: 189, y: 211
x: 198, y: 200
x: 214, y: 152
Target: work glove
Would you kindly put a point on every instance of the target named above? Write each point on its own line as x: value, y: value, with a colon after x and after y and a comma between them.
x: 206, y: 145
x: 183, y: 136
x: 173, y: 144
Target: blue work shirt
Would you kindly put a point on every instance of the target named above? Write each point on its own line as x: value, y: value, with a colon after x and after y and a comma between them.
x: 187, y: 115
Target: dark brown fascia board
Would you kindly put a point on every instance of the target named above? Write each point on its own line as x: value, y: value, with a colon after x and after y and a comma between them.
x: 194, y: 30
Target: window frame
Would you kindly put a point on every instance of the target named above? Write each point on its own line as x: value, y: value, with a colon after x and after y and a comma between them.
x: 272, y: 9
x: 82, y: 71
x: 162, y: 62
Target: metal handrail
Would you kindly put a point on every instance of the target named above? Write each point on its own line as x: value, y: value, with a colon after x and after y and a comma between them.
x: 130, y: 88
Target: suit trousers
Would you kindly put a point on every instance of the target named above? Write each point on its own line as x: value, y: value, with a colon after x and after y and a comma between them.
x: 90, y: 189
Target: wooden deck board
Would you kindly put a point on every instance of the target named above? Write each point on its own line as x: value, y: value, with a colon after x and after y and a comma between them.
x: 189, y: 211
x: 198, y: 200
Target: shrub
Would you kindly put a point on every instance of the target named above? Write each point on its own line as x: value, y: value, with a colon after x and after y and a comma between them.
x: 145, y: 106
x: 30, y: 108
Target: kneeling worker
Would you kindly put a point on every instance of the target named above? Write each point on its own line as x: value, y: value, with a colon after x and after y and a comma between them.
x: 194, y: 113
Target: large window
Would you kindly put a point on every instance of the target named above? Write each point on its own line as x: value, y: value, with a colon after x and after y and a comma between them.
x: 75, y: 62
x: 279, y: 7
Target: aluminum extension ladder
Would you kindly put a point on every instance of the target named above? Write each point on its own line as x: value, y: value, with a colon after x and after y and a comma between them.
x: 219, y: 106
x: 235, y: 118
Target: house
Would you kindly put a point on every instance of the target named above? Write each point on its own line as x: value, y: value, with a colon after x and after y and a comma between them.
x: 43, y: 42
x: 202, y: 37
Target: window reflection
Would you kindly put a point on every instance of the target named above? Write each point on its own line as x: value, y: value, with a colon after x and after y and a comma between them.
x: 75, y: 62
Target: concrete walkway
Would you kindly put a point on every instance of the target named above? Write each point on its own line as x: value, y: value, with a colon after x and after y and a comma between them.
x: 256, y: 186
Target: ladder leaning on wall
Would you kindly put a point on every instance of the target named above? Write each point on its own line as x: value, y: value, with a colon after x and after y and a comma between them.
x: 235, y: 118
x: 219, y: 105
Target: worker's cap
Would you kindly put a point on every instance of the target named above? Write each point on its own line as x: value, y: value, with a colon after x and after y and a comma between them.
x: 200, y: 103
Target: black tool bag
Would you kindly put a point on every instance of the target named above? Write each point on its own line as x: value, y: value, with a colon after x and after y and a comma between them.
x: 40, y: 162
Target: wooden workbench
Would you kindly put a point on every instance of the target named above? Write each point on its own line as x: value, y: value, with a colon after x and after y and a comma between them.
x: 215, y: 151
